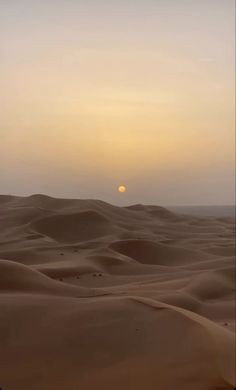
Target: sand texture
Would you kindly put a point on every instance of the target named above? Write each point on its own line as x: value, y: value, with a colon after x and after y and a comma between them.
x: 99, y: 297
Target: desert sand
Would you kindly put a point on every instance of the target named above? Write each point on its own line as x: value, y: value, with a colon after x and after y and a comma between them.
x: 94, y: 296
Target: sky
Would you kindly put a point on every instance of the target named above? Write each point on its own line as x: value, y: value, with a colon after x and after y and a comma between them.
x: 98, y: 93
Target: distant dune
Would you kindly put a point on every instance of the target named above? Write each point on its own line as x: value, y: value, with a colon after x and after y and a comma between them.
x: 95, y: 296
x: 206, y: 211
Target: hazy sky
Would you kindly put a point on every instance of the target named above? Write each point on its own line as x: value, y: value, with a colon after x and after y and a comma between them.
x: 95, y: 93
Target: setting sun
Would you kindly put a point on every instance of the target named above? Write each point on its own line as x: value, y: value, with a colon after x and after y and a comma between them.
x: 122, y: 188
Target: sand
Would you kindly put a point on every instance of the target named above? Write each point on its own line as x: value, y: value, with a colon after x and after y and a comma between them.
x: 94, y: 296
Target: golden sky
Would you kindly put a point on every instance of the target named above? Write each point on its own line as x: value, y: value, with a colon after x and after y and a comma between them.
x: 97, y: 93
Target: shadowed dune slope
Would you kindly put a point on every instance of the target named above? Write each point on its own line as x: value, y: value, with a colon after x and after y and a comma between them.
x: 74, y: 227
x: 149, y: 252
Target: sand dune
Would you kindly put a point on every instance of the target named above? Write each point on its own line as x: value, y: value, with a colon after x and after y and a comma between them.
x: 149, y: 252
x: 20, y: 278
x: 94, y: 296
x: 73, y: 227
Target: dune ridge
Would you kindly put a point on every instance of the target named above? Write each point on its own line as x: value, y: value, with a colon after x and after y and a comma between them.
x: 98, y: 296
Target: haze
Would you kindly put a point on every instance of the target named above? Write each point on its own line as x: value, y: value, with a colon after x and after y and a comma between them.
x: 99, y: 93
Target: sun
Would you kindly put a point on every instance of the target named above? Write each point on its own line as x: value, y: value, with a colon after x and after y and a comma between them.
x: 122, y: 188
